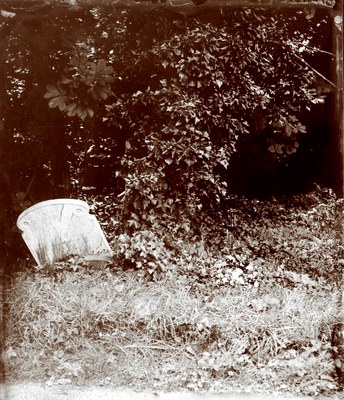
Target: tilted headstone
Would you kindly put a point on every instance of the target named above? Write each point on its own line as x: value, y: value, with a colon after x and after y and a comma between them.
x: 57, y: 229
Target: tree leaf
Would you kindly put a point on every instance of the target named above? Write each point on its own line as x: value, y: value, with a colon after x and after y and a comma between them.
x: 71, y: 109
x: 52, y: 91
x: 90, y: 112
x: 81, y: 112
x: 57, y: 102
x: 219, y: 82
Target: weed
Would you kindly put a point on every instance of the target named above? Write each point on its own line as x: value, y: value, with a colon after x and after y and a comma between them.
x: 252, y: 309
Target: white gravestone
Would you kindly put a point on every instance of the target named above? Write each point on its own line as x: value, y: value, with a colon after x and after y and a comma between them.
x: 56, y: 229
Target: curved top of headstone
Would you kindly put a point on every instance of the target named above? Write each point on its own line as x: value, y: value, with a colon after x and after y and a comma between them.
x: 56, y: 229
x: 54, y: 202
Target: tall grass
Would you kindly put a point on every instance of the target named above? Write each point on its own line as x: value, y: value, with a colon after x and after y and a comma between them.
x: 199, y: 326
x: 116, y: 328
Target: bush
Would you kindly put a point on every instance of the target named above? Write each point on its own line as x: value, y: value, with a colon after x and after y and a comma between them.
x: 144, y: 250
x: 248, y: 241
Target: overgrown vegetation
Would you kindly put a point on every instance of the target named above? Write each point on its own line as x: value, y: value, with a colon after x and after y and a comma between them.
x: 247, y: 304
x: 169, y: 93
x: 291, y: 233
x: 207, y: 290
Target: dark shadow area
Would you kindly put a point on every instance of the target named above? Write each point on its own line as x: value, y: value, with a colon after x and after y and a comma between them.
x: 255, y: 172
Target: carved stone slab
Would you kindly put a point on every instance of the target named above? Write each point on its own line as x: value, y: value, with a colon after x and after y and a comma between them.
x: 56, y: 229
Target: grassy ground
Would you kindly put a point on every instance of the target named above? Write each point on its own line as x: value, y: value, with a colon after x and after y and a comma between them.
x: 235, y: 319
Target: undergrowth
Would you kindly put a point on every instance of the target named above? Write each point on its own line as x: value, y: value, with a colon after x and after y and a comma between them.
x: 244, y: 304
x: 301, y: 234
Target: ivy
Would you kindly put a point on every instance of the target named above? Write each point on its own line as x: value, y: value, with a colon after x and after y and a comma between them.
x: 211, y: 77
x: 176, y: 94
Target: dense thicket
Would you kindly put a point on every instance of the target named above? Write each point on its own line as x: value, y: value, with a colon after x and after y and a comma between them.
x: 158, y: 100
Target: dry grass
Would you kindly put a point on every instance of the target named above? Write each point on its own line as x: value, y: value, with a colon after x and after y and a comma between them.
x: 116, y: 328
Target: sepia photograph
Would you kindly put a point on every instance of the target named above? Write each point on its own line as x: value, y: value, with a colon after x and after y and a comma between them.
x: 172, y: 200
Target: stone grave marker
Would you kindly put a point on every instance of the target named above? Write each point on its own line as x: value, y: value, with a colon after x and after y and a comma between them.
x: 54, y: 230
